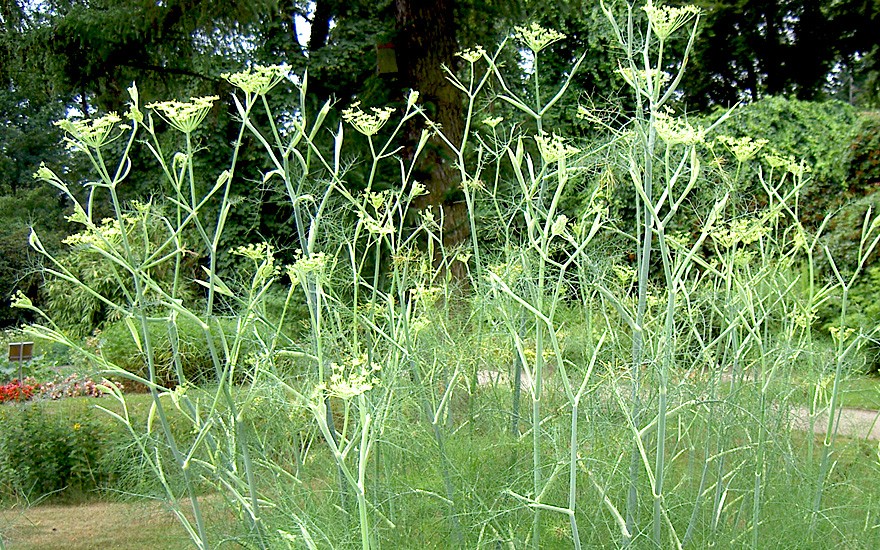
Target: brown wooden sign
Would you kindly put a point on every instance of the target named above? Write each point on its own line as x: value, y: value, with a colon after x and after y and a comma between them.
x: 21, y: 351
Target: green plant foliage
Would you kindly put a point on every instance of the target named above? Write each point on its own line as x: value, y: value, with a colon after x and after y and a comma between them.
x: 864, y: 165
x: 865, y: 315
x: 45, y: 451
x: 29, y: 208
x: 445, y: 382
x: 820, y: 133
x: 116, y: 345
x: 80, y: 311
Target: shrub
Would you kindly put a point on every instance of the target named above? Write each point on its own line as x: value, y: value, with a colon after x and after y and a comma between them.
x: 118, y: 347
x: 44, y: 450
x: 821, y: 133
x: 864, y: 315
x: 864, y: 165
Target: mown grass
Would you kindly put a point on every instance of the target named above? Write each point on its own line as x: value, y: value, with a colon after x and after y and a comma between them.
x: 89, y: 525
x: 858, y: 391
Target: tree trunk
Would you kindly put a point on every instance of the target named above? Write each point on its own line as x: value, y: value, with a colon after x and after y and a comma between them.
x: 426, y: 39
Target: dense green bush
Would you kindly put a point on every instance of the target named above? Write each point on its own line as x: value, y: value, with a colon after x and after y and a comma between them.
x: 864, y: 314
x: 863, y: 185
x: 821, y: 133
x: 119, y: 348
x: 45, y: 450
x: 864, y: 165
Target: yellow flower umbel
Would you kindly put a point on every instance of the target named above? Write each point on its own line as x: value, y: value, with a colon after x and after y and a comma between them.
x: 493, y: 122
x: 263, y: 257
x: 349, y: 380
x: 789, y: 164
x: 744, y: 148
x: 307, y: 268
x: 472, y: 55
x: 535, y: 37
x: 553, y: 147
x: 93, y: 133
x: 745, y: 230
x: 675, y: 131
x: 185, y: 116
x: 366, y: 123
x: 665, y: 20
x: 258, y: 80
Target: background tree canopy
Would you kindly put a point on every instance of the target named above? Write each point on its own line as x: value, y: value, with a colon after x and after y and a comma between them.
x: 63, y: 57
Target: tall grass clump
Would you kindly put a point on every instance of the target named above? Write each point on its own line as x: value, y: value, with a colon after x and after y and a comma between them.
x: 587, y: 381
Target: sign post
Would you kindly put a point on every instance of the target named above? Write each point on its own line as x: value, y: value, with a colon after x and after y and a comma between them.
x: 21, y: 352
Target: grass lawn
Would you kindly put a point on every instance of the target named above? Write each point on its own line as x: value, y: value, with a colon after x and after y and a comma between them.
x: 487, y: 464
x: 117, y: 525
x: 856, y: 392
x: 862, y: 392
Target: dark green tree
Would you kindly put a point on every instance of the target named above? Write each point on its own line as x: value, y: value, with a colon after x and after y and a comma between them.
x: 750, y: 49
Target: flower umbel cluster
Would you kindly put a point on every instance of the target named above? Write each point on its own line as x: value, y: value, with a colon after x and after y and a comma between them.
x: 841, y: 334
x: 675, y: 131
x: 258, y: 80
x: 106, y: 235
x: 789, y: 164
x: 94, y: 133
x: 665, y: 20
x: 742, y: 230
x: 307, y: 268
x: 535, y: 37
x: 374, y: 226
x: 185, y: 116
x: 744, y: 148
x: 263, y: 256
x: 354, y: 378
x: 553, y: 147
x: 492, y: 122
x: 472, y: 55
x: 366, y: 123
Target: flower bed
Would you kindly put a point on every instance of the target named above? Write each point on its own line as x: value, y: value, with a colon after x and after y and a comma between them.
x: 17, y: 391
x: 73, y: 385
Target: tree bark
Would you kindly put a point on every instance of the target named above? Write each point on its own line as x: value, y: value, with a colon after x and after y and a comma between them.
x: 426, y: 40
